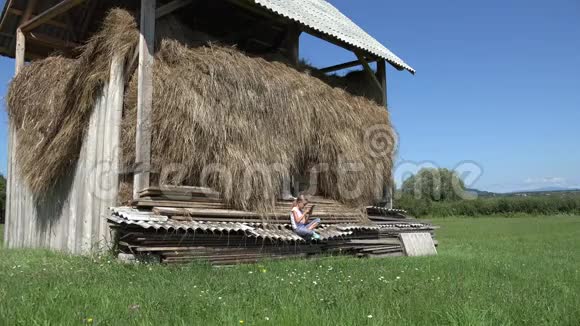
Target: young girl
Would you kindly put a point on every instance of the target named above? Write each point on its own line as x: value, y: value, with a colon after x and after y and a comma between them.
x: 300, y: 219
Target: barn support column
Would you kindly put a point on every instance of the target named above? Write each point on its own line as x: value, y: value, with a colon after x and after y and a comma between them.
x: 144, y: 97
x: 11, y: 198
x: 382, y: 78
x: 292, y: 43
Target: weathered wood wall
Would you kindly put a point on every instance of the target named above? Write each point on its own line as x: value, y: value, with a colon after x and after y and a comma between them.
x: 72, y: 217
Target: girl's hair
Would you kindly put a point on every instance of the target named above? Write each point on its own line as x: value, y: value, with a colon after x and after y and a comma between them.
x: 300, y: 199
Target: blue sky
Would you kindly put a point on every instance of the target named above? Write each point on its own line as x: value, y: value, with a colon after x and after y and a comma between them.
x: 497, y: 84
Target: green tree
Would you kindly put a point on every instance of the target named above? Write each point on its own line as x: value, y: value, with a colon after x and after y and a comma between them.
x: 434, y: 184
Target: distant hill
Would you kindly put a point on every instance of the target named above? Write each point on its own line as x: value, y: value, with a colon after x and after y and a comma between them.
x: 551, y: 189
x: 482, y: 193
x: 534, y: 192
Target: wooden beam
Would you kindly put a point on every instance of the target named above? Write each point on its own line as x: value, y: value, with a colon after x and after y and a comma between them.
x: 50, y: 41
x: 50, y: 13
x: 345, y: 65
x: 4, y: 17
x: 368, y: 69
x: 171, y: 7
x: 144, y: 97
x: 52, y: 22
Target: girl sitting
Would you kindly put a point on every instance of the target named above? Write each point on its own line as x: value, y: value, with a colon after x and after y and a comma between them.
x: 300, y: 220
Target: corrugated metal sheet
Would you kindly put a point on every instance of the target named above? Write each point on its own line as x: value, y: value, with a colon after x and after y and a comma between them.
x: 402, y: 225
x: 323, y: 17
x: 150, y: 220
x: 356, y: 227
x: 418, y: 244
x: 72, y: 217
x: 170, y: 225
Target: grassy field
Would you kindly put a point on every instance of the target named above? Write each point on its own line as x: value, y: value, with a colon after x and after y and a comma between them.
x: 489, y: 271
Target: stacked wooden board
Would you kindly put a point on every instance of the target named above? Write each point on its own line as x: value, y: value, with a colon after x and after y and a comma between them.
x: 184, y: 224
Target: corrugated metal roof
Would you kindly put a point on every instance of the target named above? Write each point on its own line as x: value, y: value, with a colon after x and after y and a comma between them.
x: 323, y: 17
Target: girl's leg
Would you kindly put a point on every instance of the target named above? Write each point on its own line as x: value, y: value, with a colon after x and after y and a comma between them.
x: 312, y: 225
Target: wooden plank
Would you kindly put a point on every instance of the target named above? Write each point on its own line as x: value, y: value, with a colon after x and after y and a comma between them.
x: 171, y: 7
x: 109, y: 185
x: 144, y: 97
x: 418, y: 244
x: 50, y: 13
x: 216, y: 212
x: 184, y: 190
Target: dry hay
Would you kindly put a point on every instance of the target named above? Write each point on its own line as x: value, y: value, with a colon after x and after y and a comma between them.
x: 217, y: 107
x: 51, y: 100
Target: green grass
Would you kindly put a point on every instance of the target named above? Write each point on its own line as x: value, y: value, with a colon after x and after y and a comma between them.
x: 489, y: 271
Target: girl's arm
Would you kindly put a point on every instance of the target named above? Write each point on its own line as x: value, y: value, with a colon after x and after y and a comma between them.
x: 295, y: 217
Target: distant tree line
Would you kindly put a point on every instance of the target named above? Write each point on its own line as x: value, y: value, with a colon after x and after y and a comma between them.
x: 440, y: 192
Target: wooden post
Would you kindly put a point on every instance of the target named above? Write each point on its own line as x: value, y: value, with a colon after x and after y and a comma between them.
x: 144, y: 97
x: 20, y: 51
x: 382, y: 78
x: 292, y: 43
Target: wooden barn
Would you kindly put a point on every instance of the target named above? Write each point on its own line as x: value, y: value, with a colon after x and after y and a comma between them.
x: 125, y: 104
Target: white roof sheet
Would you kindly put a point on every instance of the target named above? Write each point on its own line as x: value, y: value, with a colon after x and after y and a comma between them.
x: 323, y: 17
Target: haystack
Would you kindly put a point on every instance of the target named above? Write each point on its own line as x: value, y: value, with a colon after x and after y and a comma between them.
x: 51, y: 100
x: 221, y: 118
